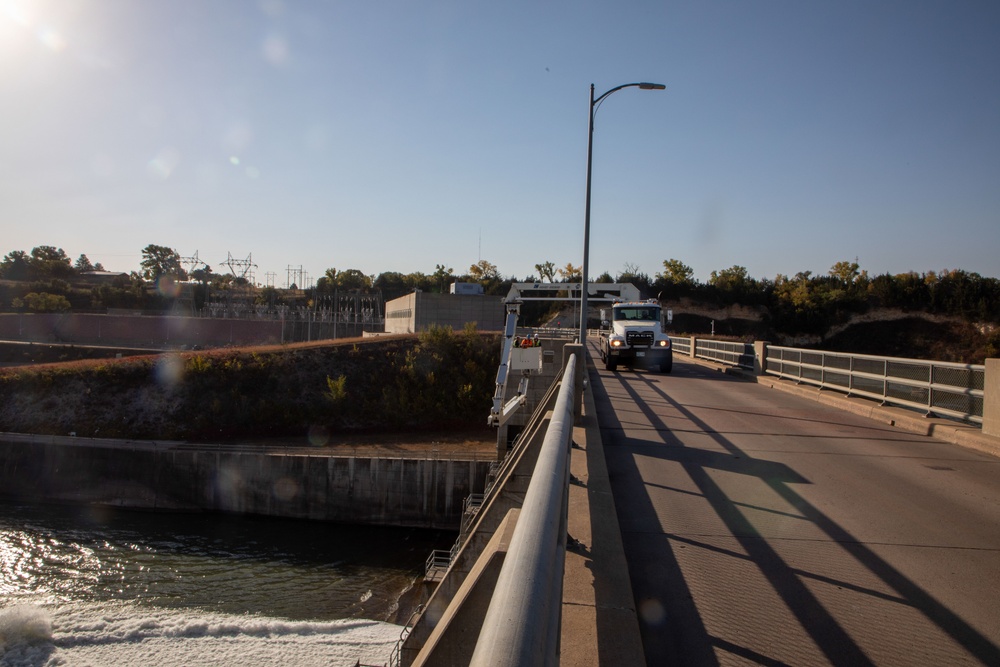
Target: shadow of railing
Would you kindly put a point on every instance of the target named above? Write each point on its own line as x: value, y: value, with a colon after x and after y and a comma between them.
x: 789, y: 583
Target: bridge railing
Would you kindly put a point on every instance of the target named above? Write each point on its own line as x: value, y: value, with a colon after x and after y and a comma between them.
x: 723, y: 351
x: 938, y: 388
x: 682, y: 345
x: 502, y: 581
x: 529, y: 587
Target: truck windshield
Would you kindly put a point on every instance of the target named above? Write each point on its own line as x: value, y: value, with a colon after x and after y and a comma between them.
x: 638, y: 313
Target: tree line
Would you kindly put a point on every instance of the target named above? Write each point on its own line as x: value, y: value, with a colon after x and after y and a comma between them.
x: 46, y: 279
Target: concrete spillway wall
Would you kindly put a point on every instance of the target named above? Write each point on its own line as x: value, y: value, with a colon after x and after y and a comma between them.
x: 378, y: 491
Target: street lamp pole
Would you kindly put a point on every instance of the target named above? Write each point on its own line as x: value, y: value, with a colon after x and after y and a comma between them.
x: 586, y: 224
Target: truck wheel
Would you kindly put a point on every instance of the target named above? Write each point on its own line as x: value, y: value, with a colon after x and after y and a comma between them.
x: 610, y: 364
x: 667, y: 366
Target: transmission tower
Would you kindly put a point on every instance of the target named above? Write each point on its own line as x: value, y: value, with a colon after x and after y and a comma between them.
x: 240, y: 297
x: 240, y: 268
x: 194, y: 262
x: 295, y: 276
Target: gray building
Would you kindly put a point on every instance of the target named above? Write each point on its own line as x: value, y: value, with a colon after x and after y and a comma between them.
x: 417, y: 311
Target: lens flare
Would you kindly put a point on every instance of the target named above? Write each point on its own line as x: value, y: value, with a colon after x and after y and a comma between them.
x: 51, y: 39
x: 162, y: 165
x: 169, y: 370
x: 285, y: 489
x: 167, y: 286
x: 652, y: 612
x: 318, y: 435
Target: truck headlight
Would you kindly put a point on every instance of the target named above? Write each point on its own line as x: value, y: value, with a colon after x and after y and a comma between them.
x: 663, y: 343
x: 615, y: 341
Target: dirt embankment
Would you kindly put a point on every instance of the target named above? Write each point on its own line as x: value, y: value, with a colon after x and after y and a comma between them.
x: 883, y: 332
x: 439, y: 383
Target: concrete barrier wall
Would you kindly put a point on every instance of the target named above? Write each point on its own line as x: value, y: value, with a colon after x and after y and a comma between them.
x: 139, y: 330
x: 168, y: 331
x: 417, y: 311
x: 377, y: 491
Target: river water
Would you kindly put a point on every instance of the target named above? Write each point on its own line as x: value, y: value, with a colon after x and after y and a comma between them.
x: 101, y: 586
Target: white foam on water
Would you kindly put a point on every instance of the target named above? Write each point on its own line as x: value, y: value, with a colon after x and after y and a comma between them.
x: 120, y: 633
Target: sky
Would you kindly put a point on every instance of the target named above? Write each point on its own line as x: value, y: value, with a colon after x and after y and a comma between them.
x: 392, y: 135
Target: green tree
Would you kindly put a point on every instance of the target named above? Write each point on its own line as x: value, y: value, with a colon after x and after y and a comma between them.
x: 483, y: 271
x: 15, y: 265
x: 392, y: 284
x: 570, y: 273
x: 734, y: 285
x: 631, y: 274
x: 83, y: 264
x: 677, y: 272
x: 732, y: 279
x: 202, y: 274
x: 43, y: 302
x: 846, y: 272
x: 48, y: 262
x: 353, y: 279
x: 418, y: 280
x: 348, y: 279
x: 546, y: 271
x: 158, y: 260
x: 605, y: 277
x: 442, y: 276
x: 328, y: 281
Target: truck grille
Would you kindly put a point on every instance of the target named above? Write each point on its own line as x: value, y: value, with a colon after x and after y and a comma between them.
x: 633, y: 338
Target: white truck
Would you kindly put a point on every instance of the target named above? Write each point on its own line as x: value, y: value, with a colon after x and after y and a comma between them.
x: 634, y: 336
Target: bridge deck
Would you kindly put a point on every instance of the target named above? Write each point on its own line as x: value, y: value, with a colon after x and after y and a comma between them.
x: 764, y: 528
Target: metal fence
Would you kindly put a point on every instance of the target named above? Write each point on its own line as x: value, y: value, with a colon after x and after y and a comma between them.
x: 937, y: 388
x: 560, y: 333
x: 681, y: 345
x: 726, y: 352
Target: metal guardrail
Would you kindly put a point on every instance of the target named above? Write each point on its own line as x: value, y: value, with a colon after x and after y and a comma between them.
x: 529, y: 587
x: 395, y: 657
x: 681, y: 345
x: 560, y: 333
x: 726, y: 352
x: 438, y: 562
x: 938, y: 388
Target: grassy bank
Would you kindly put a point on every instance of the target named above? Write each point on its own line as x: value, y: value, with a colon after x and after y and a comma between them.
x: 440, y: 379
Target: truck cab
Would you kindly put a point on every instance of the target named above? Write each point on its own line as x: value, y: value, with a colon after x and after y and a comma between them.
x: 632, y: 334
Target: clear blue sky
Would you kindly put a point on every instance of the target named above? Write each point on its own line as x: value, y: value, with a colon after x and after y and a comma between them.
x: 397, y: 135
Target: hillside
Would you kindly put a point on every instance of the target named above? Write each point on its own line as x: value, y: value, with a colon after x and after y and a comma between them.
x: 439, y: 380
x: 881, y: 331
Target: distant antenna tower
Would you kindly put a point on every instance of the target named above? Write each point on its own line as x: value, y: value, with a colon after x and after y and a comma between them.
x: 269, y: 278
x: 240, y: 268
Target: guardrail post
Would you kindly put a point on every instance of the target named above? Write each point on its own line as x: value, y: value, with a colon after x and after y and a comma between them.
x: 760, y: 357
x: 991, y: 398
x: 694, y: 347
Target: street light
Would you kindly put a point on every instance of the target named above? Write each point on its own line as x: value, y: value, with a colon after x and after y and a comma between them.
x: 586, y: 225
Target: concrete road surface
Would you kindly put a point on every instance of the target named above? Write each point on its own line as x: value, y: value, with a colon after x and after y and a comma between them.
x: 762, y: 528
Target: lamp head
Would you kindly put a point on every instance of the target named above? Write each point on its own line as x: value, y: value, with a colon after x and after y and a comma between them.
x: 651, y: 86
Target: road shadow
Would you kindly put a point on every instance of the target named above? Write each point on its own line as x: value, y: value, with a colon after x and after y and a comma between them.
x: 677, y: 633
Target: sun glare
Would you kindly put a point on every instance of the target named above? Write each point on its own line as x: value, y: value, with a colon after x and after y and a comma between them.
x: 15, y: 12
x: 21, y: 22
